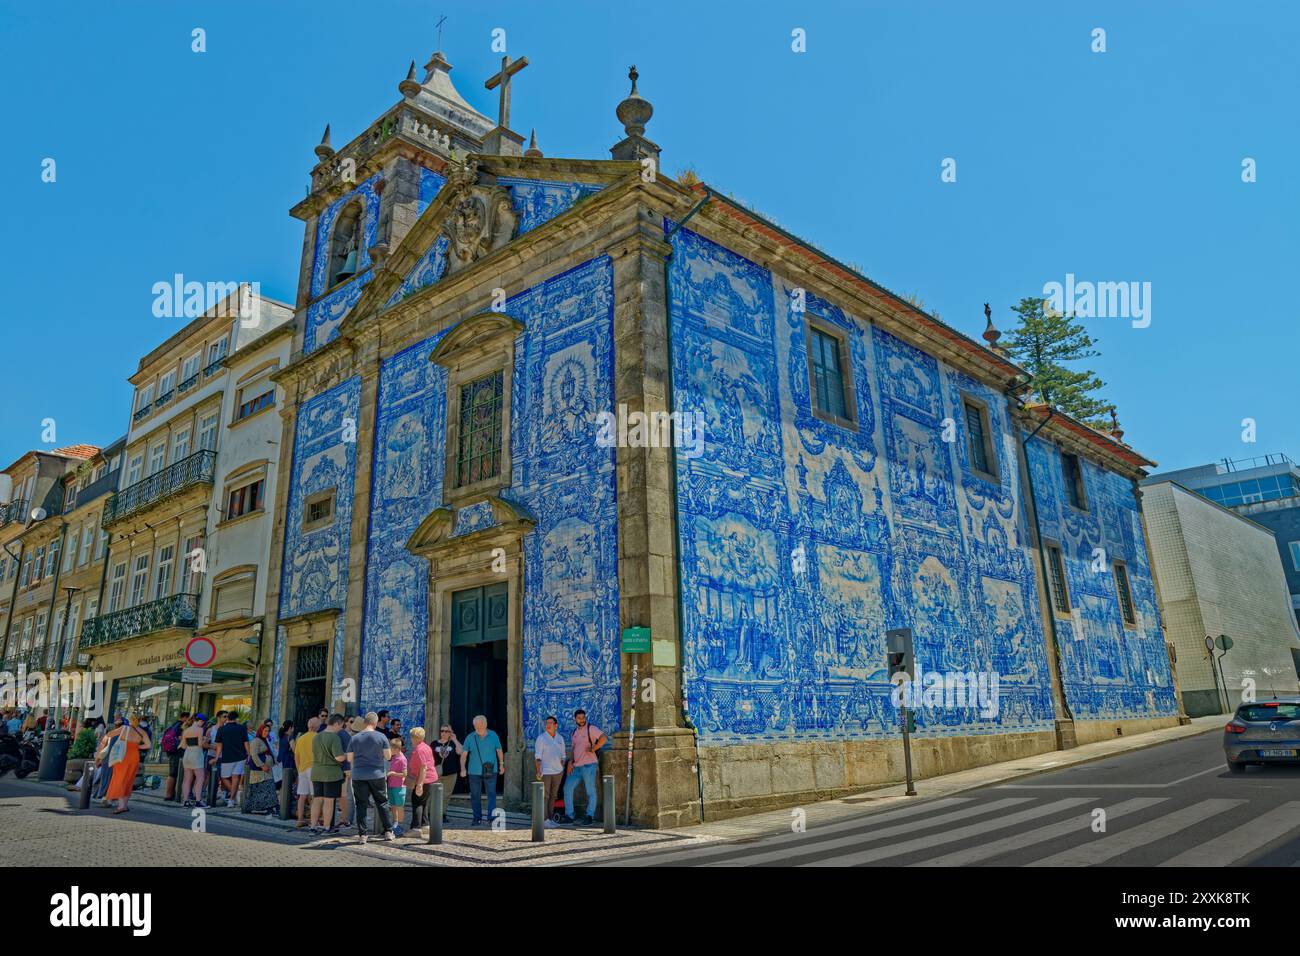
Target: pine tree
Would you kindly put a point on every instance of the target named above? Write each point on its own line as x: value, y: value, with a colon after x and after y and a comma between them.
x: 1042, y: 342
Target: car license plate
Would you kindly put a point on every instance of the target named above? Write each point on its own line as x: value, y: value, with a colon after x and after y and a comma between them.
x: 1277, y: 753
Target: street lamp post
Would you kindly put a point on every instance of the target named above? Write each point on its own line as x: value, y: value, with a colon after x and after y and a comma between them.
x: 55, y: 759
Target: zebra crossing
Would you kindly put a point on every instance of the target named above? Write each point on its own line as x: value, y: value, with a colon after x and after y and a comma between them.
x: 1044, y: 830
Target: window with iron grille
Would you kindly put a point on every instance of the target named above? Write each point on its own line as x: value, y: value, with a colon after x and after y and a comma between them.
x: 828, y: 375
x: 1125, y: 594
x: 478, y: 450
x: 1056, y: 569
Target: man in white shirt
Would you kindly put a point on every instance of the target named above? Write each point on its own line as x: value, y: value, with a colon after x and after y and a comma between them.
x: 550, y: 753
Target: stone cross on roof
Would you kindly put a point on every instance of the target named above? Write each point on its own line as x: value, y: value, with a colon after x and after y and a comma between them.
x: 502, y: 79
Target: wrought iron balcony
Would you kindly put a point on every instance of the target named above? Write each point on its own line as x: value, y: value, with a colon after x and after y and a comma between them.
x: 186, y: 385
x: 179, y: 610
x: 14, y: 511
x: 198, y: 468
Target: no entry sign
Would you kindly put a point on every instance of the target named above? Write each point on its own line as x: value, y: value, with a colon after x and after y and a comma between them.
x: 200, y: 652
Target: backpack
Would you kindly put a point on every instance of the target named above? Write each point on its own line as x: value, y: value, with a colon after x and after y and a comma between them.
x: 171, y: 740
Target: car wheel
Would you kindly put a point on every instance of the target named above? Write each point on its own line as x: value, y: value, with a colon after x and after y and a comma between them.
x: 1237, y: 767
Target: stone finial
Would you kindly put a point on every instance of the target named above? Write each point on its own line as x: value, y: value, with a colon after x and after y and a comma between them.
x: 991, y: 334
x: 409, y: 86
x: 324, y: 151
x: 532, y: 149
x: 1115, y: 431
x: 635, y: 111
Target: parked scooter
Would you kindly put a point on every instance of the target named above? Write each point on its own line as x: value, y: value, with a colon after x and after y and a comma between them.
x: 10, y: 752
x: 29, y: 756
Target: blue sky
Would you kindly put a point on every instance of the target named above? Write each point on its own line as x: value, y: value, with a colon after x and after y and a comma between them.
x: 1115, y: 166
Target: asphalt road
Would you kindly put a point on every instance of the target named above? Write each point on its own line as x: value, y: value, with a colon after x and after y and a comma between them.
x: 1175, y: 804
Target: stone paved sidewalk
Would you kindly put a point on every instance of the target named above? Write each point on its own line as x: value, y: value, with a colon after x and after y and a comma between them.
x: 510, y: 842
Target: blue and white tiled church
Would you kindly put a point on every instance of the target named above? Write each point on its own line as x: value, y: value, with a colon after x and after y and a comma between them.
x: 483, y: 494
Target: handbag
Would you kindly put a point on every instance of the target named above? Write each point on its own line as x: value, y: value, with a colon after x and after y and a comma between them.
x: 117, y: 752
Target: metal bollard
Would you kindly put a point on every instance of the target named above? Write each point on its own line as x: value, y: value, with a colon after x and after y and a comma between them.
x: 243, y: 789
x: 539, y: 811
x: 288, y: 779
x: 87, y: 775
x: 435, y: 813
x: 214, y: 777
x: 607, y: 798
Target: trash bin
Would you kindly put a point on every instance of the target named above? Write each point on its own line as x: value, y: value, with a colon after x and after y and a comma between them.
x: 54, y: 755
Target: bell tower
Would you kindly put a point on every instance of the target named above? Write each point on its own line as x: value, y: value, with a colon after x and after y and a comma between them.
x: 365, y: 195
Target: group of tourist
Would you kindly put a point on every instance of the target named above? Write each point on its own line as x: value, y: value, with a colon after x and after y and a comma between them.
x: 344, y: 764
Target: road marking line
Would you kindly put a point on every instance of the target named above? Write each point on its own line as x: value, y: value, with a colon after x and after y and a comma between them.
x: 949, y: 836
x: 1019, y: 841
x: 860, y: 822
x: 1247, y: 838
x: 1109, y: 847
x: 1106, y: 786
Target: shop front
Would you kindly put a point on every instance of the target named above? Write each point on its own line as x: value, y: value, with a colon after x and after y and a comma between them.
x: 144, y: 678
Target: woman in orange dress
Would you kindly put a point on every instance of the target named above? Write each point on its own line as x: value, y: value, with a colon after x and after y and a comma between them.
x: 124, y: 755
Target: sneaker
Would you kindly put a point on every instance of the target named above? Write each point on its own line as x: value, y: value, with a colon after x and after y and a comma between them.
x: 566, y: 820
x: 549, y: 824
x: 344, y: 826
x: 315, y: 831
x: 397, y: 830
x: 187, y: 804
x: 475, y: 823
x: 390, y: 836
x: 415, y: 833
x: 201, y: 806
x: 584, y: 821
x: 363, y: 839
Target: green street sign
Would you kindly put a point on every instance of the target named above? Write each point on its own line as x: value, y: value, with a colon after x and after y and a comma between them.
x: 636, y: 640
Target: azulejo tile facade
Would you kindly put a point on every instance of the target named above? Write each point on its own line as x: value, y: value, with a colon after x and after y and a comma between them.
x: 803, y: 541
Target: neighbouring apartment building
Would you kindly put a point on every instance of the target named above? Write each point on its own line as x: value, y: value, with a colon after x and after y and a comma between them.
x: 52, y: 543
x: 161, y: 515
x: 1265, y: 489
x: 454, y: 533
x: 1218, y: 574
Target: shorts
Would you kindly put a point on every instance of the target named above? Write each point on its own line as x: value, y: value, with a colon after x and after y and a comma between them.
x: 329, y: 789
x: 397, y: 796
x: 235, y: 769
x: 304, y: 783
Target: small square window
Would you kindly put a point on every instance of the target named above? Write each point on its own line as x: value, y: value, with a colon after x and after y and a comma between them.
x: 318, y: 510
x: 1072, y: 472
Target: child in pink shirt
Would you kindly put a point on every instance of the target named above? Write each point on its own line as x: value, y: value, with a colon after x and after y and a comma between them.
x: 397, y: 784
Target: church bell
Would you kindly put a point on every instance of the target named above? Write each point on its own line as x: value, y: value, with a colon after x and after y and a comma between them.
x: 349, y: 267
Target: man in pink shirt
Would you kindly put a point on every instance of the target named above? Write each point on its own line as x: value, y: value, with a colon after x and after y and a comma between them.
x: 587, y: 741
